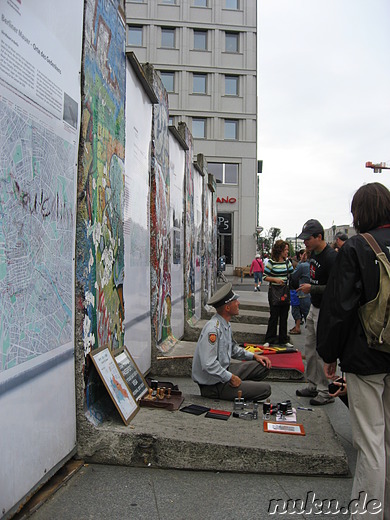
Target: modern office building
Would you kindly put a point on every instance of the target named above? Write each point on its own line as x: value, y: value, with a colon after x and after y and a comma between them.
x: 206, y: 54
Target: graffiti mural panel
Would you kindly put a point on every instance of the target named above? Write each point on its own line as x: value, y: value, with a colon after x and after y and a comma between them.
x: 100, y: 253
x: 160, y: 240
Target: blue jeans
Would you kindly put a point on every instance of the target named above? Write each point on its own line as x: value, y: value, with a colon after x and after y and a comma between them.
x: 258, y: 275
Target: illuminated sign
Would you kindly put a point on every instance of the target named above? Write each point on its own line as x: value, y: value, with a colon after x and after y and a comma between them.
x: 224, y: 200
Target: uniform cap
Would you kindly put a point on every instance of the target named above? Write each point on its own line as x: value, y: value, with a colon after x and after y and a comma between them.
x: 310, y: 228
x: 224, y: 295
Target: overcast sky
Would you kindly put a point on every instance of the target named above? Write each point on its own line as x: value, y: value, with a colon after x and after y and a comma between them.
x: 323, y: 107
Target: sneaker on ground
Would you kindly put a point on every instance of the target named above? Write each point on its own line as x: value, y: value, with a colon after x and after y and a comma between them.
x: 306, y: 392
x: 320, y: 400
x: 287, y: 345
x: 266, y: 344
x: 255, y: 289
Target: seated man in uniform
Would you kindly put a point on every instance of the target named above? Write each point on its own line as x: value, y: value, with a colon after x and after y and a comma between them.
x: 211, y: 367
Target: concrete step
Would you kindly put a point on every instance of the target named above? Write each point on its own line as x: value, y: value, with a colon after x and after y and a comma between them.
x: 173, y: 439
x: 242, y: 332
x: 252, y: 316
x: 179, y: 364
x: 250, y: 306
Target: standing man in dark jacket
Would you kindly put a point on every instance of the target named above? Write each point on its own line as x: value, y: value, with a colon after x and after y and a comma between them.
x: 321, y: 262
x: 353, y: 282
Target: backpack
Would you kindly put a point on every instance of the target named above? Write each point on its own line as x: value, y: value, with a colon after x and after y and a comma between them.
x: 374, y: 315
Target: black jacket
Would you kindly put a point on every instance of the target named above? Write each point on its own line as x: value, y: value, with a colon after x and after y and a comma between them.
x: 354, y: 280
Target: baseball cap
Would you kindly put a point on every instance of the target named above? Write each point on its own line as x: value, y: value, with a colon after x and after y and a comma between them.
x: 311, y: 227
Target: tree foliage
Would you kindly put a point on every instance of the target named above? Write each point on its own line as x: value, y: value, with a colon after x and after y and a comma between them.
x: 266, y: 242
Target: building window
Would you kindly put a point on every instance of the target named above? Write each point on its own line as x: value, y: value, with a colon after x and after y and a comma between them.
x: 171, y: 121
x: 231, y: 174
x: 200, y: 40
x: 168, y: 79
x: 224, y: 173
x: 199, y: 83
x: 232, y: 4
x: 231, y: 42
x: 225, y: 236
x: 168, y: 37
x: 231, y: 129
x: 171, y: 2
x: 199, y: 127
x: 200, y: 3
x: 134, y: 35
x: 231, y: 85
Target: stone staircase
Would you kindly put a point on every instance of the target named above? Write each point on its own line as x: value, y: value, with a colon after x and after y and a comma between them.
x: 248, y: 327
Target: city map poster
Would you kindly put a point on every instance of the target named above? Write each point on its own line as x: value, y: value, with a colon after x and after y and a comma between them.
x: 115, y: 383
x: 39, y: 133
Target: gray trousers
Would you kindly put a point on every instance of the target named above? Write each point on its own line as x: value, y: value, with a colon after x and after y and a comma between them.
x: 251, y: 374
x: 369, y: 407
x: 314, y: 365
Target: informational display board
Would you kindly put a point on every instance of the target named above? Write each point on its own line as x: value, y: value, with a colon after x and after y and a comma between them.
x: 134, y: 379
x: 115, y: 383
x: 40, y: 99
x: 136, y: 287
x: 39, y: 121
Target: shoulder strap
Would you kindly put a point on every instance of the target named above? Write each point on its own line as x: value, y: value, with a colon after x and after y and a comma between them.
x: 372, y: 243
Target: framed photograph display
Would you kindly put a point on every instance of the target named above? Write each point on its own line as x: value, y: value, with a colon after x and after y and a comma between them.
x: 115, y: 383
x: 289, y: 428
x: 130, y: 371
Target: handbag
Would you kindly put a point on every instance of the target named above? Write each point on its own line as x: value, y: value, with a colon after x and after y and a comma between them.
x: 280, y: 294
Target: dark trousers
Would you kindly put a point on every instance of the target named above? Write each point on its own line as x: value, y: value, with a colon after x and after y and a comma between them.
x: 251, y: 374
x: 278, y: 313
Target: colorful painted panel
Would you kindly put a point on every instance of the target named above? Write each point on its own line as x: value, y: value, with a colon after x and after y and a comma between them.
x: 100, y: 252
x: 189, y: 268
x: 160, y: 240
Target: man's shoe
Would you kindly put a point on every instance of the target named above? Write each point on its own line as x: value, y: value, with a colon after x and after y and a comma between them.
x: 287, y: 345
x: 266, y: 344
x: 255, y: 289
x: 320, y: 400
x: 306, y: 392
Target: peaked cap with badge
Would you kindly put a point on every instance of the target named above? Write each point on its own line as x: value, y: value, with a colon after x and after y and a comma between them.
x: 224, y: 295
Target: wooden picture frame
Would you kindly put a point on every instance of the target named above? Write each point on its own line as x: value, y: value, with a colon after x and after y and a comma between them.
x: 115, y: 383
x: 286, y: 428
x: 130, y: 371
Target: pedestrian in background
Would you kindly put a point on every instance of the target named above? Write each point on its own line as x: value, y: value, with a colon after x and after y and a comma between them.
x: 276, y: 272
x: 257, y: 268
x: 341, y: 238
x: 301, y: 305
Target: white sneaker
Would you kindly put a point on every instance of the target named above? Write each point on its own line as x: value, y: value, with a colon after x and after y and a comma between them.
x: 266, y: 344
x: 287, y: 345
x: 255, y: 289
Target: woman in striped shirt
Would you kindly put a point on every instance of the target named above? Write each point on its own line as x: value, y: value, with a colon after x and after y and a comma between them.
x: 276, y: 272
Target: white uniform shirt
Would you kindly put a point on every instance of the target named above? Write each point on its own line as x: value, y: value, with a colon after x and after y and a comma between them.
x: 213, y: 353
